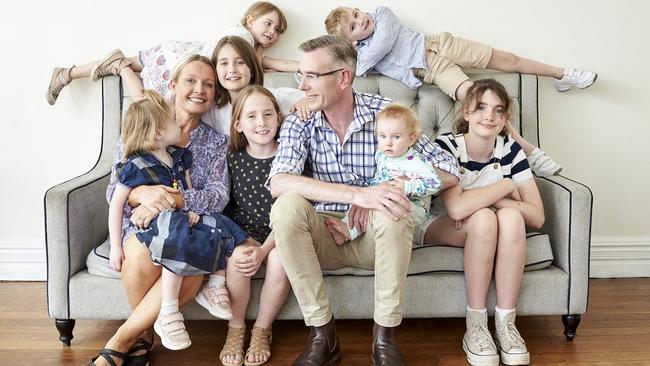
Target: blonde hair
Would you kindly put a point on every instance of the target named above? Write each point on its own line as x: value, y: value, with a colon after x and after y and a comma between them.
x: 238, y: 140
x: 262, y: 8
x: 333, y: 20
x: 403, y: 113
x: 176, y: 73
x: 473, y: 98
x: 141, y: 121
x: 247, y: 53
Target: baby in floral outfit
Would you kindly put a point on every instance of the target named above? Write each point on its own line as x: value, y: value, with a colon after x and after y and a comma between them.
x: 398, y: 164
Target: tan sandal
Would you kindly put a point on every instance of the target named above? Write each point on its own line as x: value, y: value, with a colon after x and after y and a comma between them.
x: 260, y: 345
x: 234, y: 346
x: 112, y: 64
x: 60, y: 78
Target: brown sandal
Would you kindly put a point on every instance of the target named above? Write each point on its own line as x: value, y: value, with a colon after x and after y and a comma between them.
x: 260, y: 345
x: 234, y: 346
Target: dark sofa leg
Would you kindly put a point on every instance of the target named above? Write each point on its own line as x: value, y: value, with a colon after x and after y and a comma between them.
x: 65, y: 327
x: 571, y: 323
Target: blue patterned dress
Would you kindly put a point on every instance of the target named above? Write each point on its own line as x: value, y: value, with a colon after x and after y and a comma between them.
x: 175, y: 245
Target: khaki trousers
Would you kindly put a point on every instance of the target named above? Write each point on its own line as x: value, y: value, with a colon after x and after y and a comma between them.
x: 305, y: 246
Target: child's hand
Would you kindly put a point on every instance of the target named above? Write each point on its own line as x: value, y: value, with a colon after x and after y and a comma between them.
x: 116, y: 257
x: 249, y: 261
x: 515, y: 194
x: 193, y: 217
x: 302, y: 108
x: 399, y: 183
x: 458, y: 224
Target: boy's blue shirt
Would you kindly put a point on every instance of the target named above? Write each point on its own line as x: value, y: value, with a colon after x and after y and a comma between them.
x: 392, y: 50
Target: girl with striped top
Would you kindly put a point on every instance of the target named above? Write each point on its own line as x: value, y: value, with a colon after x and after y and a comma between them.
x: 487, y: 214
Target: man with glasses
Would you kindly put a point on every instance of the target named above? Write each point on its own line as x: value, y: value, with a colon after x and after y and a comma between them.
x: 337, y: 146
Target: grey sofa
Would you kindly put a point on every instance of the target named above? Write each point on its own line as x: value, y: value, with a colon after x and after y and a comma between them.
x: 81, y: 286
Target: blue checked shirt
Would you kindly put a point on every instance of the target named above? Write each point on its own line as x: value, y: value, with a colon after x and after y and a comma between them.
x: 315, y: 146
x: 392, y: 50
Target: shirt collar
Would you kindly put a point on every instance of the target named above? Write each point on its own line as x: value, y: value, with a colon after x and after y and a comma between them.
x: 362, y: 114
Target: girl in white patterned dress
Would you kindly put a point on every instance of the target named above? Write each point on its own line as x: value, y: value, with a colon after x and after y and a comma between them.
x: 261, y: 26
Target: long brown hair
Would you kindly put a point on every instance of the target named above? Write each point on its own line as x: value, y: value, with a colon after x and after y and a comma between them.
x: 238, y: 140
x: 262, y: 8
x: 247, y: 53
x: 473, y: 98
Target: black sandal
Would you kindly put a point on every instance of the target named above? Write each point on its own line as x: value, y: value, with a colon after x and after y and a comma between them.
x: 108, y: 355
x: 139, y: 360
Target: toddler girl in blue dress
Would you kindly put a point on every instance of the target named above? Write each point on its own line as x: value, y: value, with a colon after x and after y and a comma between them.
x: 183, y: 242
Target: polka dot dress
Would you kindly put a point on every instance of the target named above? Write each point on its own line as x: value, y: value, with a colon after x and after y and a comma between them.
x: 250, y: 202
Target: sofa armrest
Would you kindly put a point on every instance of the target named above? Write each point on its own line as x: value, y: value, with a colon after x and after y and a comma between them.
x: 76, y: 221
x: 568, y: 209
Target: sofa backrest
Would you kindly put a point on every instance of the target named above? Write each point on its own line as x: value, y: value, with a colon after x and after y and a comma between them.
x: 435, y: 109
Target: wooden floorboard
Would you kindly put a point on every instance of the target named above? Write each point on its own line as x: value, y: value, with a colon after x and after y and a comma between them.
x: 615, y: 331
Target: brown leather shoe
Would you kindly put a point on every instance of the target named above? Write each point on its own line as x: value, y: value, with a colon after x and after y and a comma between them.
x: 384, y: 348
x: 322, y: 347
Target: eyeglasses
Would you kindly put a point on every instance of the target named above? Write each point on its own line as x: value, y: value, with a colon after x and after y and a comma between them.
x: 311, y: 77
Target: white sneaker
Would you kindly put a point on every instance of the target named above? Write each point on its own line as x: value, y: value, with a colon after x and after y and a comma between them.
x: 542, y: 164
x: 477, y: 342
x: 509, y: 342
x: 215, y: 299
x: 575, y: 78
x: 171, y: 330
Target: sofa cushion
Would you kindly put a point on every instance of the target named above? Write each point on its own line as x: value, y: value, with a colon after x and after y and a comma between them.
x: 424, y: 259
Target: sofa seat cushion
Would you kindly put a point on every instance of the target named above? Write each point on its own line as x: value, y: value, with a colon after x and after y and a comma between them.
x: 424, y: 259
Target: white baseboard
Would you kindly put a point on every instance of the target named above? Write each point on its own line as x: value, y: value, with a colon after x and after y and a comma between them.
x: 620, y: 256
x: 22, y: 260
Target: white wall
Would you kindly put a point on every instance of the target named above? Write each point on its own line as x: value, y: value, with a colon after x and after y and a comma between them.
x: 599, y: 135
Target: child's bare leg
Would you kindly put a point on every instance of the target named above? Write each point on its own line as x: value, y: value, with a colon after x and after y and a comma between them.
x: 171, y: 285
x: 461, y: 91
x: 539, y: 161
x: 339, y: 231
x: 274, y: 293
x: 239, y: 291
x: 239, y: 288
x: 131, y: 80
x: 113, y: 64
x: 169, y: 325
x: 509, y: 62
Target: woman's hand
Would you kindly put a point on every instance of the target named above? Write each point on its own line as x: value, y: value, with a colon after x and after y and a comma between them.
x: 154, y: 198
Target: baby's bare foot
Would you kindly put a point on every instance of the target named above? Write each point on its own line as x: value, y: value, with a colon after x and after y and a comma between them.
x: 339, y: 231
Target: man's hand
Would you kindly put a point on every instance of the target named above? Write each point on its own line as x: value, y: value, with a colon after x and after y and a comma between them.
x: 358, y: 217
x: 386, y: 198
